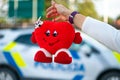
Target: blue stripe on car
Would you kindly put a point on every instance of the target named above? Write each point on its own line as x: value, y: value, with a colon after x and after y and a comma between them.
x: 78, y: 77
x: 74, y: 54
x: 11, y: 61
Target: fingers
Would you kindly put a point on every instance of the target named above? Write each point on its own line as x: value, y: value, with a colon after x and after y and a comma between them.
x: 49, y: 9
x: 57, y: 19
x: 51, y: 13
x: 60, y: 18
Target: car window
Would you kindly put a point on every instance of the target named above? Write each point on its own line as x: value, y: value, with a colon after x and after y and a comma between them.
x: 93, y: 49
x: 83, y: 47
x: 1, y: 36
x: 25, y: 39
x: 77, y: 47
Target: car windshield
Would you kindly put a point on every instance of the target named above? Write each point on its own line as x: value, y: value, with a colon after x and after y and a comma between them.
x: 25, y: 39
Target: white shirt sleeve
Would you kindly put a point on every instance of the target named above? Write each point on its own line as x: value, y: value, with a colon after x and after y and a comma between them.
x: 102, y: 32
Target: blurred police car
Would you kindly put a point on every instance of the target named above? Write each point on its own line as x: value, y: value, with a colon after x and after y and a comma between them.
x: 91, y: 60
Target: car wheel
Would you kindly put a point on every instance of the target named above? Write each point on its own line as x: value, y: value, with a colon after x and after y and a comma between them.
x: 7, y: 74
x: 111, y: 76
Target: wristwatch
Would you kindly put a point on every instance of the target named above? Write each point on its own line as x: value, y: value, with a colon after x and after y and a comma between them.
x: 72, y: 15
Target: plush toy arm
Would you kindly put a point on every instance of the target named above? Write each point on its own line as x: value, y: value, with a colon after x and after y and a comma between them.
x: 33, y: 38
x: 78, y: 38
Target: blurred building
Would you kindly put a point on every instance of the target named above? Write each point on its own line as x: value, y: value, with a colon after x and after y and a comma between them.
x: 14, y: 13
x: 26, y: 8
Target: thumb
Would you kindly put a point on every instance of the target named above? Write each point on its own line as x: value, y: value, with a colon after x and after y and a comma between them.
x: 52, y: 2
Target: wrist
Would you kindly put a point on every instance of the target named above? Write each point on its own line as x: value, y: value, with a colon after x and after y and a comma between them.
x: 79, y: 20
x: 71, y: 16
x: 67, y: 13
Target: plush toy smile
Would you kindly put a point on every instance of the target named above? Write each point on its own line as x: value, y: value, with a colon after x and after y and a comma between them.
x: 54, y: 38
x: 51, y: 43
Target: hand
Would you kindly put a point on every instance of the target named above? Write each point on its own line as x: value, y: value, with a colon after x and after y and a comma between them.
x: 59, y: 11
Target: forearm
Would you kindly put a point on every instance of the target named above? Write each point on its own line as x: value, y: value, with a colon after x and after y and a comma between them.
x: 79, y: 20
x: 102, y: 32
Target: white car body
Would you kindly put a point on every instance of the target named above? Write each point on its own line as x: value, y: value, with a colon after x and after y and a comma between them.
x: 91, y: 60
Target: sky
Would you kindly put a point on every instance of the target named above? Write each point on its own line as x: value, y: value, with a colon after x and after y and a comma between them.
x: 108, y: 7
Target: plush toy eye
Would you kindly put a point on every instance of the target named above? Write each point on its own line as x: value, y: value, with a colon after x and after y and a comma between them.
x: 47, y: 33
x: 55, y: 33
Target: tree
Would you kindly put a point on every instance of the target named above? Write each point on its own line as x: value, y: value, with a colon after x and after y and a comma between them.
x: 118, y: 17
x: 87, y: 8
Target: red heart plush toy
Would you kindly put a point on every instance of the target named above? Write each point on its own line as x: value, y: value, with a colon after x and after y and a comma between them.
x: 54, y: 38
